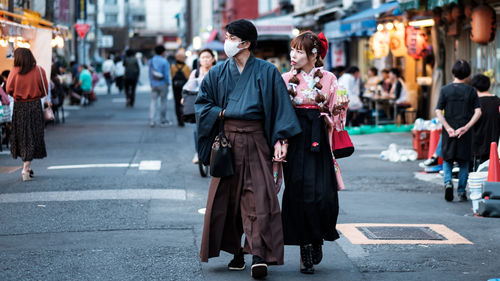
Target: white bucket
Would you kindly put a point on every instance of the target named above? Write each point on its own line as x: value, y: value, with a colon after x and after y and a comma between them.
x: 475, y: 183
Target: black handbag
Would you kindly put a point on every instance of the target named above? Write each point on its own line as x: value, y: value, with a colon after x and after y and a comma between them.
x: 189, y: 98
x: 221, y: 156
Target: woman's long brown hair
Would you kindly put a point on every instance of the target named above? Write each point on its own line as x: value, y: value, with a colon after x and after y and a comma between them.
x: 24, y: 59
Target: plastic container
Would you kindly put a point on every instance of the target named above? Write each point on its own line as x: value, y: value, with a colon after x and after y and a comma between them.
x: 475, y: 184
x: 420, y: 141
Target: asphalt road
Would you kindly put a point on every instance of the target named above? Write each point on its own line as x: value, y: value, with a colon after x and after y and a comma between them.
x: 133, y: 212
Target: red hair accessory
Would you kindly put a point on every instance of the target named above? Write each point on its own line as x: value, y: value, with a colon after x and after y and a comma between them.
x: 324, y: 42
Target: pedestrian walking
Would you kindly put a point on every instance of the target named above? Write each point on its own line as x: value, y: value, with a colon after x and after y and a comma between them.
x: 487, y: 128
x: 108, y: 69
x: 159, y: 78
x: 27, y: 84
x: 132, y: 71
x: 206, y: 59
x: 460, y: 104
x: 180, y: 73
x: 310, y: 200
x: 119, y: 74
x: 251, y: 98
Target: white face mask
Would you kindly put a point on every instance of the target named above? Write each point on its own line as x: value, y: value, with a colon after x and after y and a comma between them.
x: 231, y: 48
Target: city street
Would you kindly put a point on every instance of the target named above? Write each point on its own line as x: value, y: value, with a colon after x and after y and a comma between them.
x: 118, y: 200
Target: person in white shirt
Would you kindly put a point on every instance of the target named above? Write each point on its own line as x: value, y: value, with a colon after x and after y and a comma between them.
x: 350, y: 82
x: 119, y: 74
x: 108, y: 69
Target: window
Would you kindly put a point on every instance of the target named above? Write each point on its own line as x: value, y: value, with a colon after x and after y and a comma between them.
x: 138, y: 18
x: 111, y: 18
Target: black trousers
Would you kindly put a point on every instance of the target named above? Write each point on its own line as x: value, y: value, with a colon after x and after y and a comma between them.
x: 178, y: 106
x: 130, y: 85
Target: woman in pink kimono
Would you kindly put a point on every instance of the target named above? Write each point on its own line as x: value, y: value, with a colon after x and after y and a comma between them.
x: 310, y: 201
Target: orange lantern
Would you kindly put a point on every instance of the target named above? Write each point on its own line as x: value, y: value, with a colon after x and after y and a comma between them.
x: 483, y: 24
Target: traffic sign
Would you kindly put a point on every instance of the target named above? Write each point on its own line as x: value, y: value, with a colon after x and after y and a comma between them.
x: 82, y: 29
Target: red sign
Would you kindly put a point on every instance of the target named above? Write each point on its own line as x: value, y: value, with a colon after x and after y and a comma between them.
x: 82, y: 29
x: 416, y: 42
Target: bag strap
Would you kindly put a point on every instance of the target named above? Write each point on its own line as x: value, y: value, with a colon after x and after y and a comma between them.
x: 197, y: 73
x: 41, y: 78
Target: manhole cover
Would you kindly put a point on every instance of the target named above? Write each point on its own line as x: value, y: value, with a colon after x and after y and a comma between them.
x: 400, y: 233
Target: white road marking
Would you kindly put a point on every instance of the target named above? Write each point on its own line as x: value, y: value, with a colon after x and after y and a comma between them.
x: 83, y: 195
x: 153, y: 165
x: 369, y: 155
x: 86, y: 166
x: 351, y: 250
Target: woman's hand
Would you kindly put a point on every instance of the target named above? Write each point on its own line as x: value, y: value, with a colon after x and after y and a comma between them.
x: 461, y: 131
x: 182, y: 101
x: 451, y: 132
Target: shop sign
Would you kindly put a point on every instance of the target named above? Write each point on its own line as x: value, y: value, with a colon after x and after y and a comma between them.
x: 379, y: 44
x: 338, y: 53
x: 416, y: 42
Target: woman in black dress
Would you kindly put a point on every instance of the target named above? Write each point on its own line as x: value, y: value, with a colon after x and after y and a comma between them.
x: 461, y: 108
x: 487, y: 128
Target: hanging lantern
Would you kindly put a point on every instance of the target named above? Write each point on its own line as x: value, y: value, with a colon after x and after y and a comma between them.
x: 483, y: 24
x: 397, y: 40
x: 416, y: 42
x: 379, y: 44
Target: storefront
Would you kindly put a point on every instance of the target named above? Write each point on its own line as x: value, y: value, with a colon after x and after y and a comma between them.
x: 275, y: 35
x: 28, y: 31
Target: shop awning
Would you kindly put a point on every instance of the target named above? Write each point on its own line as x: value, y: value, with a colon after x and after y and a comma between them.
x: 371, y: 13
x: 277, y: 27
x: 332, y: 30
x: 431, y: 4
x: 406, y: 5
x: 363, y: 23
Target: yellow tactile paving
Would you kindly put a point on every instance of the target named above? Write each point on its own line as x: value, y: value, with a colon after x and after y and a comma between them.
x: 355, y: 236
x: 8, y: 170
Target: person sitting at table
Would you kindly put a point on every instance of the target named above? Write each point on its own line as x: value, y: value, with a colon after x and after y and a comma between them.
x: 386, y: 81
x: 372, y: 81
x: 398, y: 92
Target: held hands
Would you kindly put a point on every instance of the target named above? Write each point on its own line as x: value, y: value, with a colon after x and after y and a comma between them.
x: 461, y: 131
x: 451, y: 132
x: 458, y: 132
x: 280, y: 151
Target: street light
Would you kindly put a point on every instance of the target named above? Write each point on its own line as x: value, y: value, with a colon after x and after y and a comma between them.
x: 196, y: 42
x: 295, y: 32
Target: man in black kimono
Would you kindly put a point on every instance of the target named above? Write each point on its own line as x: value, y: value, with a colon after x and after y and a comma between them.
x: 251, y: 97
x: 460, y: 104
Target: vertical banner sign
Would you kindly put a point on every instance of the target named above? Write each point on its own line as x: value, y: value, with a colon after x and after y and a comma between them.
x: 416, y: 42
x: 337, y: 53
x: 81, y: 9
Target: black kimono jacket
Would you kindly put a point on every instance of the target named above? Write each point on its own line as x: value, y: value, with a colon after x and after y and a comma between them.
x: 258, y: 93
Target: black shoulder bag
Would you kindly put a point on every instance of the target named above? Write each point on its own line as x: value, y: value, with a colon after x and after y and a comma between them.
x: 189, y: 97
x: 221, y: 156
